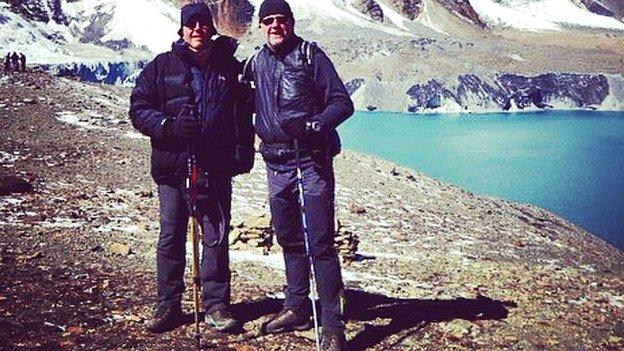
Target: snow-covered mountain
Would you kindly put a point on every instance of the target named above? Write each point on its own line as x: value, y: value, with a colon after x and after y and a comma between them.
x: 54, y: 31
x: 395, y: 54
x: 61, y: 31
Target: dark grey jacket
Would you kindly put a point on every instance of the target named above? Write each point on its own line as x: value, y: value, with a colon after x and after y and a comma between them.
x: 288, y: 87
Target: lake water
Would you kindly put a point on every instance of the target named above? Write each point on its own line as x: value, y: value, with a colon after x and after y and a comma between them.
x: 569, y: 162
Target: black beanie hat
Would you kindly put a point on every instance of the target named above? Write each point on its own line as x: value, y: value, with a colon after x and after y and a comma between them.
x: 274, y: 7
x: 195, y: 9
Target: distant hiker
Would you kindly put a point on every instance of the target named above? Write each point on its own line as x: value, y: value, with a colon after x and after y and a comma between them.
x: 23, y: 62
x: 198, y: 77
x: 7, y: 64
x: 15, y: 61
x: 300, y: 100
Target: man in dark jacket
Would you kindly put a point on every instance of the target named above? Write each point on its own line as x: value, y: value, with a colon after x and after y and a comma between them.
x: 191, y: 96
x: 301, y: 100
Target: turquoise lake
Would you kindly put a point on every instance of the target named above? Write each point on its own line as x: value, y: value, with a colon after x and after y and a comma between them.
x: 569, y: 162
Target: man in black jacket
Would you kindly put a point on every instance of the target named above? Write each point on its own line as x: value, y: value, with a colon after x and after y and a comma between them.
x: 299, y: 96
x: 191, y: 95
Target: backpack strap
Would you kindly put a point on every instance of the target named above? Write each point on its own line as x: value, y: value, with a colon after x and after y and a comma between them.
x: 249, y: 68
x: 308, y: 49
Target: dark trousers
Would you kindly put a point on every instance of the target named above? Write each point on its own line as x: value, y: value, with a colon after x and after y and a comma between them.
x: 214, y: 219
x: 318, y: 184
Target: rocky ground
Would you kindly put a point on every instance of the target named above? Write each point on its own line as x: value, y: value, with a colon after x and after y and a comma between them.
x: 437, y: 268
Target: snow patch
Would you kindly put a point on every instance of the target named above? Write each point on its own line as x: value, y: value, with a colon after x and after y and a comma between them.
x: 72, y: 118
x: 538, y: 15
x: 135, y: 135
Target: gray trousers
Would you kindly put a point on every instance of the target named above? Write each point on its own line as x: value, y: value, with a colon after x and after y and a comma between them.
x: 319, y: 184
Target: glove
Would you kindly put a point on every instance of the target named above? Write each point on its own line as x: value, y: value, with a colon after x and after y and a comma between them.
x: 185, y: 126
x: 295, y: 128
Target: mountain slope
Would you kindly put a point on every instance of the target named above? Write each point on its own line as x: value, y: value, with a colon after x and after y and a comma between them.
x: 87, y: 30
x: 383, y: 48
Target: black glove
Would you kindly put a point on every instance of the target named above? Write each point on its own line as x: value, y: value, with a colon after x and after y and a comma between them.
x: 185, y: 126
x: 295, y: 128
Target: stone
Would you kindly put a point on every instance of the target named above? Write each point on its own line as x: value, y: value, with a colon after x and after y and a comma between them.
x: 457, y: 329
x: 14, y: 185
x: 357, y: 209
x: 119, y: 249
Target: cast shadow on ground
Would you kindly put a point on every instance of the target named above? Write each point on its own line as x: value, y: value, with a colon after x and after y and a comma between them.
x: 408, y: 316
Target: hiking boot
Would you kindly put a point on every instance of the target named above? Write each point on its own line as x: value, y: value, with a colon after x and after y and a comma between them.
x: 166, y: 318
x: 333, y: 340
x: 221, y: 320
x: 286, y: 320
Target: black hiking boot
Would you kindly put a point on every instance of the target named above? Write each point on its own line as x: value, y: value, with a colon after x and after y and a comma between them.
x: 286, y: 320
x: 221, y: 320
x: 166, y: 318
x: 333, y: 340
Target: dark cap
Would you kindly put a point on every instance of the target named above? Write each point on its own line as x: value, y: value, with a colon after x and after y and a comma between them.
x: 196, y: 9
x: 274, y: 7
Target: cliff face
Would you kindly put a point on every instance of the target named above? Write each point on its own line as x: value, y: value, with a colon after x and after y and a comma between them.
x: 471, y: 93
x: 610, y: 8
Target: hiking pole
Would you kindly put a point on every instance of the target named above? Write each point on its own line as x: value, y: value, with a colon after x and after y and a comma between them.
x: 306, y: 240
x: 191, y: 186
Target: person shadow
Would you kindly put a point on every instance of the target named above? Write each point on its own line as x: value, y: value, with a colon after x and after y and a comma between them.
x: 406, y: 316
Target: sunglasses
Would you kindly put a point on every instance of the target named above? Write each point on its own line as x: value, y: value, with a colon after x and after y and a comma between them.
x: 203, y: 23
x: 267, y: 21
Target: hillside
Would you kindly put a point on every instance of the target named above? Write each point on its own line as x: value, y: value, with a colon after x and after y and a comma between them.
x: 437, y: 268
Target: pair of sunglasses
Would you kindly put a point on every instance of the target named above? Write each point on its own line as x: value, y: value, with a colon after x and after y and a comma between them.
x: 203, y: 23
x: 267, y: 21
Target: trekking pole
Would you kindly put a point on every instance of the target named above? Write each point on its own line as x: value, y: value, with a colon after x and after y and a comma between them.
x: 306, y: 240
x: 191, y: 186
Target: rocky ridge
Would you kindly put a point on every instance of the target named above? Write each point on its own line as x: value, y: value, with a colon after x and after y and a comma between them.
x: 437, y: 267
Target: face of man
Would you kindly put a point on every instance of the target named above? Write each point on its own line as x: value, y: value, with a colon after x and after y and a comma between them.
x: 197, y: 32
x: 277, y: 29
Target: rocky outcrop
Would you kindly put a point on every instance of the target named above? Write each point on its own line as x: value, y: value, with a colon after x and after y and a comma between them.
x: 611, y: 8
x: 232, y: 17
x: 39, y: 10
x: 119, y: 73
x: 429, y: 95
x: 370, y: 8
x: 13, y: 185
x: 471, y: 93
x: 409, y: 8
x: 463, y: 9
x: 583, y: 90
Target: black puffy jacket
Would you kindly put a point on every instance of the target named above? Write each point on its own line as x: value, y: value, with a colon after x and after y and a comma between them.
x: 288, y: 87
x: 225, y: 145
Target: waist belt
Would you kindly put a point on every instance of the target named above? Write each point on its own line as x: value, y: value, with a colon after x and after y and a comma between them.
x: 304, y: 145
x: 284, y: 152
